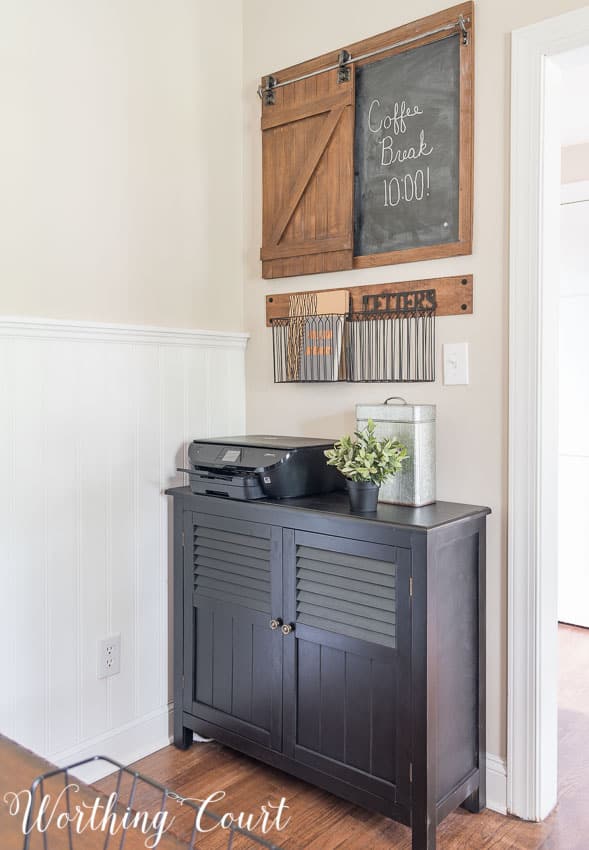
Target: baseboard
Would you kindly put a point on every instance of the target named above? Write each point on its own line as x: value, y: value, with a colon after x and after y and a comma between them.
x: 126, y: 744
x: 496, y: 784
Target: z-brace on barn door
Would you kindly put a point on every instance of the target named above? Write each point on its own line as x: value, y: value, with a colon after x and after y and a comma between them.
x: 307, y: 148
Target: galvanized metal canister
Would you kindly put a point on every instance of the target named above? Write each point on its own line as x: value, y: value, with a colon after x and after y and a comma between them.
x: 415, y: 426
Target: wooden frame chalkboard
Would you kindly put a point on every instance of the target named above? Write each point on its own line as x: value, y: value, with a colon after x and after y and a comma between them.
x: 316, y: 147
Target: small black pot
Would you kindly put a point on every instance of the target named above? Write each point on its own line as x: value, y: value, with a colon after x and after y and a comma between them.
x: 363, y: 496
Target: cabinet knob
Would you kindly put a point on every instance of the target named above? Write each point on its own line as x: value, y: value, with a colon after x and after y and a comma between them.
x: 275, y: 624
x: 287, y: 629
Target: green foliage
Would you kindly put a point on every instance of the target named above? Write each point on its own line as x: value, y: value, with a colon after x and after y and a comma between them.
x: 366, y: 458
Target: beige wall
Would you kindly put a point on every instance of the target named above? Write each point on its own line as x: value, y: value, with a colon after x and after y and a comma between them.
x: 120, y: 161
x: 472, y: 420
x: 575, y: 163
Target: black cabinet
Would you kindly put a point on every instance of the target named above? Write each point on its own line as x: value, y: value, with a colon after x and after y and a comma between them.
x: 346, y: 650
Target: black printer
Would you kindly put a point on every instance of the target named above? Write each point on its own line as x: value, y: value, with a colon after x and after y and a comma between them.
x: 261, y: 466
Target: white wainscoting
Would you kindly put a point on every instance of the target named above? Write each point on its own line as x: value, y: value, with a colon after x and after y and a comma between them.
x: 94, y: 420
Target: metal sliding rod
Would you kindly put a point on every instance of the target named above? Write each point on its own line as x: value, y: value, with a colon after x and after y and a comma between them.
x: 459, y: 25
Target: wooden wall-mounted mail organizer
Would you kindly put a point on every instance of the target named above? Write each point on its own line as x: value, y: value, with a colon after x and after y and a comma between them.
x: 368, y: 151
x: 377, y: 333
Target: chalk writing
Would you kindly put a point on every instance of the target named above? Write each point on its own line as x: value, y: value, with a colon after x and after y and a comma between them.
x: 411, y: 187
x: 396, y: 121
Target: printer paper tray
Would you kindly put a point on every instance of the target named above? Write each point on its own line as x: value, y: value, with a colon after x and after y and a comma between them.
x: 208, y: 483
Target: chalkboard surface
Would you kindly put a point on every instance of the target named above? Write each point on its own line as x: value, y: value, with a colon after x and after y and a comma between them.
x: 407, y: 145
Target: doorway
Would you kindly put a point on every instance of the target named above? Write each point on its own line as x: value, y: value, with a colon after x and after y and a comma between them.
x: 539, y: 57
x: 573, y: 442
x: 573, y: 434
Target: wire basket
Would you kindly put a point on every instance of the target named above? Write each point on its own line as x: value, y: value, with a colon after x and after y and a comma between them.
x: 145, y: 803
x: 381, y: 346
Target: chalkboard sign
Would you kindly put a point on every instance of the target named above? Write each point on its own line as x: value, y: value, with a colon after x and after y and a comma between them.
x: 407, y: 150
x: 367, y: 151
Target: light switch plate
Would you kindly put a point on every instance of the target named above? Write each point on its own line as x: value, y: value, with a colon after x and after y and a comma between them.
x: 455, y: 363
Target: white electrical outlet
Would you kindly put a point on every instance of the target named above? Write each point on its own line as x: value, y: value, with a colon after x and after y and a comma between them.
x: 109, y: 656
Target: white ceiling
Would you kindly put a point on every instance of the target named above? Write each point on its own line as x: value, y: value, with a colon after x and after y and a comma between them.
x: 575, y: 96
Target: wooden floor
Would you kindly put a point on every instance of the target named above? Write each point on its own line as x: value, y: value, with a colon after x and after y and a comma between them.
x: 320, y: 821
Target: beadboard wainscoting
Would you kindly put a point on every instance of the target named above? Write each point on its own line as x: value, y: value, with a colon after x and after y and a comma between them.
x: 94, y: 420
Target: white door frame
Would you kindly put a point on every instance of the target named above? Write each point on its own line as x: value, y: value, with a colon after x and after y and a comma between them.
x: 533, y: 392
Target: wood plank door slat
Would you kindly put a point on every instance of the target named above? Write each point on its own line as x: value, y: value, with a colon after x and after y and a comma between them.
x: 307, y: 149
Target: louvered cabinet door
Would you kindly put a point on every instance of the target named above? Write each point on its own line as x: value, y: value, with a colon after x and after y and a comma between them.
x: 233, y: 659
x: 347, y: 661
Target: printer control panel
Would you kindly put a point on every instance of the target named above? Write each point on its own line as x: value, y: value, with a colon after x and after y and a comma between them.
x: 231, y: 456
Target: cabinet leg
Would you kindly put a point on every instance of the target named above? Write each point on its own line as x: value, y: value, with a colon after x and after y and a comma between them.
x: 423, y: 836
x: 182, y: 738
x: 474, y: 803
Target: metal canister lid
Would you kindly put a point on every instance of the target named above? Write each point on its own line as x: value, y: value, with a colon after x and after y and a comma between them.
x: 396, y: 409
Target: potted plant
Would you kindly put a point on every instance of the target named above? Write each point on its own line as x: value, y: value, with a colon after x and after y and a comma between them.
x: 365, y: 463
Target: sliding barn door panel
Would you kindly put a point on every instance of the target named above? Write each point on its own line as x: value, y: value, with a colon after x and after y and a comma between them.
x: 307, y: 148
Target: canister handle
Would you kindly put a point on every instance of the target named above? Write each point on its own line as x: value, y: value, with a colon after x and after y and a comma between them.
x: 395, y: 398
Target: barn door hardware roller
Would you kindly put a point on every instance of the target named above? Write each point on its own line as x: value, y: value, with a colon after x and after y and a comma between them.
x: 270, y: 83
x: 266, y: 91
x: 343, y: 71
x: 462, y: 22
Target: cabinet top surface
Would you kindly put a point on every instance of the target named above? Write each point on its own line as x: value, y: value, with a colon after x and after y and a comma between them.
x: 337, y: 504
